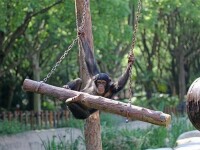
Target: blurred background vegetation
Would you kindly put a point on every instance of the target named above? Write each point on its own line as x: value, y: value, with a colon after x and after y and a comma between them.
x: 34, y: 34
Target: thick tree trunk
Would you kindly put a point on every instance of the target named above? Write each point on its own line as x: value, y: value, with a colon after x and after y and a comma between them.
x: 36, y: 77
x: 88, y: 37
x: 10, y: 96
x: 92, y: 126
x: 100, y: 103
x: 181, y: 81
x: 182, y: 88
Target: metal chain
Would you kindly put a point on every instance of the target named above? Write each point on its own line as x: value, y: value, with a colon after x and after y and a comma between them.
x: 80, y: 29
x: 131, y: 51
x: 60, y: 60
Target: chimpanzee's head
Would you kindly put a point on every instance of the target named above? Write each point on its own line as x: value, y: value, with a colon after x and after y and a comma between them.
x: 102, y: 82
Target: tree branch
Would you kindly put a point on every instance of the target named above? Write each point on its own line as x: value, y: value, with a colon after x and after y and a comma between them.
x: 22, y: 28
x: 100, y: 103
x: 47, y: 8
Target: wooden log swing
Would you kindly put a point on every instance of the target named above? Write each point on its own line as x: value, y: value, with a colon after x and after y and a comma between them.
x: 100, y: 103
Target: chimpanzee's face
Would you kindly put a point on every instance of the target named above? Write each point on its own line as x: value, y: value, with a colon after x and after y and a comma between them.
x: 101, y: 86
x: 102, y: 82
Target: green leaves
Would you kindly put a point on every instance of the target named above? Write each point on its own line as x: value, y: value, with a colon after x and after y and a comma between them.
x: 164, y: 27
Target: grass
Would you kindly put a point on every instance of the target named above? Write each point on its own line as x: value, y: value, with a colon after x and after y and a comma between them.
x: 12, y: 127
x: 153, y: 137
x: 112, y: 136
x: 62, y: 143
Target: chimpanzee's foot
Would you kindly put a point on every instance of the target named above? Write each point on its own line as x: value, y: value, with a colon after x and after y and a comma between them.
x: 74, y: 99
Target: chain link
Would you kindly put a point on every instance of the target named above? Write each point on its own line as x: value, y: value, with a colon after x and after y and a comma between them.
x: 132, y: 48
x: 132, y: 53
x: 60, y: 60
x: 80, y: 29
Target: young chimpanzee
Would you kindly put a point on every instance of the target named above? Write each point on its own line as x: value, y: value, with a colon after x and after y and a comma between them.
x: 99, y: 84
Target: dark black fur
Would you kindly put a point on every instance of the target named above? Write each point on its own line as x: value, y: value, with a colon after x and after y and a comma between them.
x: 78, y: 110
x: 81, y: 112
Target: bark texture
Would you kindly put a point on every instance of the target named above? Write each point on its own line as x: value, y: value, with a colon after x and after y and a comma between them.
x: 100, y: 103
x: 92, y: 129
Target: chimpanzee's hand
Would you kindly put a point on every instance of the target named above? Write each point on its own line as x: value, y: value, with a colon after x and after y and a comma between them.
x: 66, y: 87
x: 131, y: 59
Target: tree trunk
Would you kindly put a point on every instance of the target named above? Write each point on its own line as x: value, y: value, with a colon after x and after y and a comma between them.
x: 182, y: 84
x: 36, y: 77
x: 10, y: 96
x: 92, y: 126
x: 87, y: 36
x: 182, y: 88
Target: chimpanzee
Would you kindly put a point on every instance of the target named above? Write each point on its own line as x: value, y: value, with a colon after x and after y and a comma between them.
x: 99, y: 84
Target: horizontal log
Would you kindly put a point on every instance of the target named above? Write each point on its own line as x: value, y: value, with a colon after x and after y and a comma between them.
x: 100, y: 103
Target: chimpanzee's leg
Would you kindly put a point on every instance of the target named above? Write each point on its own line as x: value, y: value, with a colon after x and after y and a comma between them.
x: 78, y: 111
x: 74, y: 85
x: 92, y: 111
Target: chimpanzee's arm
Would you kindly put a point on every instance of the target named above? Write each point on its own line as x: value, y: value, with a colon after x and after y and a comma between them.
x: 119, y: 85
x: 74, y: 85
x: 124, y: 78
x: 89, y: 58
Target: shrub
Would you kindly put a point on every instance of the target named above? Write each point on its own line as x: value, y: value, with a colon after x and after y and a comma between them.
x: 153, y: 137
x: 12, y: 127
x: 61, y: 143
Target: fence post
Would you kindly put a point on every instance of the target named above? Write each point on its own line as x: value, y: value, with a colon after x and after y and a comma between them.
x: 54, y: 119
x: 51, y: 119
x: 15, y: 115
x: 58, y: 118
x: 41, y: 118
x: 26, y: 118
x: 46, y: 119
x: 9, y: 116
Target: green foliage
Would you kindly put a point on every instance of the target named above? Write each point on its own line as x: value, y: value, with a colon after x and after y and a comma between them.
x: 115, y: 26
x: 153, y: 137
x: 109, y: 119
x: 157, y: 102
x: 112, y: 136
x: 49, y: 34
x: 177, y: 127
x: 12, y: 127
x: 72, y: 122
x: 61, y: 143
x: 48, y: 105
